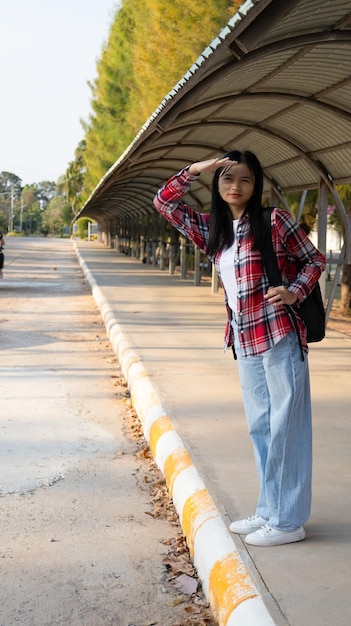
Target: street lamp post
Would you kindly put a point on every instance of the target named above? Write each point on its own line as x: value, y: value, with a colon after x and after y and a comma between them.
x: 11, y: 212
x: 23, y: 206
x: 5, y: 193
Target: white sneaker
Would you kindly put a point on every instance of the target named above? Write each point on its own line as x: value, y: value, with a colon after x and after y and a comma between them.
x: 247, y: 525
x: 267, y: 536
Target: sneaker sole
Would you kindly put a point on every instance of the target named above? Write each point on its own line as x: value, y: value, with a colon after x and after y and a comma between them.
x: 275, y: 541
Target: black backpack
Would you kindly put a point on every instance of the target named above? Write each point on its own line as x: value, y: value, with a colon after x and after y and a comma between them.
x: 311, y: 310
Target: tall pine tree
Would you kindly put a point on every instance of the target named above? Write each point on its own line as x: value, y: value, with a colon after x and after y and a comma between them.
x: 151, y: 44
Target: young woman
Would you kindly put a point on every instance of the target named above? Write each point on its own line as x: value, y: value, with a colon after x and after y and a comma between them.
x: 273, y: 377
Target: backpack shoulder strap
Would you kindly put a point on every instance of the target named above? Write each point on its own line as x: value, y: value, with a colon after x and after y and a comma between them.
x: 267, y: 251
x: 271, y: 266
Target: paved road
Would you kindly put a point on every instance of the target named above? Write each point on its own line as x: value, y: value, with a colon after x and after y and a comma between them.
x: 76, y: 545
x: 177, y: 330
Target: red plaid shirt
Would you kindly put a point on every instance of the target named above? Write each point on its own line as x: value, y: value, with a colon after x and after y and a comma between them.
x: 261, y: 325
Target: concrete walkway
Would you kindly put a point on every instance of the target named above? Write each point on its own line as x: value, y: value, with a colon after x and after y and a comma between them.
x: 79, y: 543
x: 177, y: 331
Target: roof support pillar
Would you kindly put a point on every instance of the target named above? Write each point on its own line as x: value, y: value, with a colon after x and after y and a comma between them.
x: 344, y: 221
x: 183, y: 257
x: 155, y: 237
x: 108, y: 235
x: 162, y: 244
x: 197, y: 277
x: 162, y: 255
x: 142, y: 248
x: 322, y: 226
x: 173, y: 250
x: 215, y: 280
x: 274, y: 197
x: 277, y: 196
x: 301, y: 205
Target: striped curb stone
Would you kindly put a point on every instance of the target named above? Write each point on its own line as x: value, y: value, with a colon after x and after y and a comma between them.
x: 227, y: 584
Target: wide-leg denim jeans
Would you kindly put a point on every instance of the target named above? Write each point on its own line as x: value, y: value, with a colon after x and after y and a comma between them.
x: 277, y: 403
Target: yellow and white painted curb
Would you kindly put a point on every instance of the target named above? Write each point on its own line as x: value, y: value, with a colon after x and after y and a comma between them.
x: 227, y: 584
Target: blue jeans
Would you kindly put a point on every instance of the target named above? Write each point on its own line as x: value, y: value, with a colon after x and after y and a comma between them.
x: 276, y: 394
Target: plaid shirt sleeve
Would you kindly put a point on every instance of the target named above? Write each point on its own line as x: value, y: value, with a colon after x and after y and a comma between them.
x: 299, y: 261
x: 190, y: 223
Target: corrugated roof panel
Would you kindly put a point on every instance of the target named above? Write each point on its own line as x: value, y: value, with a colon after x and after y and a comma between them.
x: 319, y: 68
x: 338, y: 162
x: 341, y: 97
x: 311, y: 127
x: 251, y: 109
x: 309, y: 16
x: 216, y: 135
x: 289, y: 175
x: 188, y: 153
x: 269, y: 149
x: 172, y: 136
x: 241, y: 76
x: 191, y: 115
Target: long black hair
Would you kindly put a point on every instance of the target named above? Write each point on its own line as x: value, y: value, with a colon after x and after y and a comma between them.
x: 221, y: 233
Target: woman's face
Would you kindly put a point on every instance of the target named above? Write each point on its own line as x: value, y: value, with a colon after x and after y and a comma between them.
x: 236, y: 185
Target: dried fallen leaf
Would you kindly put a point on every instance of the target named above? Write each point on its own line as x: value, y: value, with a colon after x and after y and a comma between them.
x: 178, y: 565
x: 177, y: 600
x: 186, y: 584
x: 193, y: 610
x: 180, y: 573
x: 144, y: 453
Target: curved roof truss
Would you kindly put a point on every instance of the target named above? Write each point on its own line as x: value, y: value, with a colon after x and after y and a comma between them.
x: 277, y: 81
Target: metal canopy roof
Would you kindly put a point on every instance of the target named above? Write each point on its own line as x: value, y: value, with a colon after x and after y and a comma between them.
x: 277, y: 81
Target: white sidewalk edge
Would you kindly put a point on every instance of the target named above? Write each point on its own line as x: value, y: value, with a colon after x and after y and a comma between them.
x: 227, y: 584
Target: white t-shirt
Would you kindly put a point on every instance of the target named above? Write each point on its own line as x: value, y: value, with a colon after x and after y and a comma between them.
x: 227, y: 269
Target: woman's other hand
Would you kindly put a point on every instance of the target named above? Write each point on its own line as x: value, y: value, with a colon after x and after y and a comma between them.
x: 280, y: 295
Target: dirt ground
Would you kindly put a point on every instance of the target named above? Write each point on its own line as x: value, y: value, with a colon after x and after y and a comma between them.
x: 338, y: 322
x: 88, y: 534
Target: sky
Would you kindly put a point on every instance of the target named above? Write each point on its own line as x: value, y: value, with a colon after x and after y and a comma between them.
x: 48, y: 53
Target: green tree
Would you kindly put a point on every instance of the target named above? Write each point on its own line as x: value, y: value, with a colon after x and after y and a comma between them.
x: 169, y: 42
x: 106, y: 132
x: 9, y: 181
x: 310, y: 207
x: 72, y: 183
x: 150, y: 46
x: 57, y: 215
x: 27, y: 204
x: 28, y: 208
x: 345, y: 301
x: 308, y: 219
x: 32, y: 217
x: 83, y: 228
x: 10, y: 192
x: 46, y: 190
